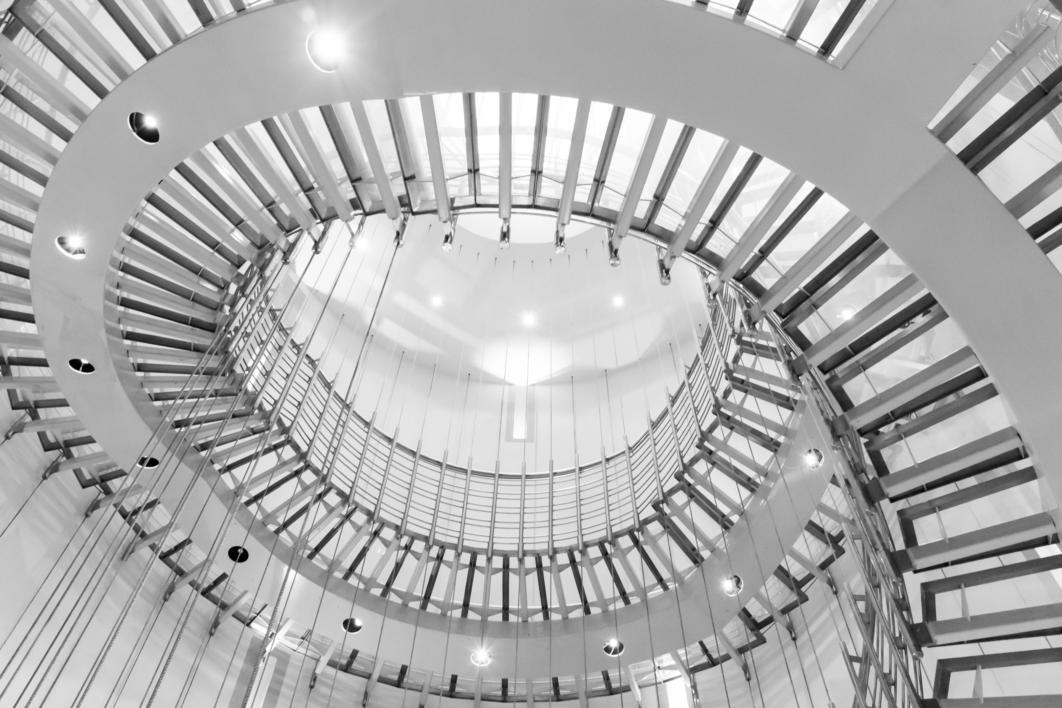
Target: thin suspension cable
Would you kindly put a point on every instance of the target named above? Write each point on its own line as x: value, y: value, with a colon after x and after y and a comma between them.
x: 90, y: 586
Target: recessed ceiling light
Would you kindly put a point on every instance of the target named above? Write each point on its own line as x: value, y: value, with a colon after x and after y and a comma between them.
x: 618, y: 301
x: 144, y: 126
x: 481, y: 657
x: 352, y: 625
x: 436, y: 301
x: 528, y: 319
x: 613, y: 647
x: 847, y: 313
x: 81, y: 366
x: 238, y: 554
x: 813, y: 458
x: 732, y: 585
x: 327, y: 48
x: 148, y: 463
x: 72, y: 245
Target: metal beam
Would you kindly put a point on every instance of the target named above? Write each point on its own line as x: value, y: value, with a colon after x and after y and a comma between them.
x: 435, y: 160
x: 756, y: 230
x: 988, y: 452
x: 575, y: 156
x: 913, y: 386
x: 702, y: 198
x: 372, y: 152
x: 637, y: 184
x: 505, y: 156
x: 1027, y: 532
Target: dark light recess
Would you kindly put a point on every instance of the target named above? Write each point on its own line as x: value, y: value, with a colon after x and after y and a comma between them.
x: 148, y: 463
x: 352, y: 625
x: 81, y: 366
x: 144, y: 126
x: 238, y: 554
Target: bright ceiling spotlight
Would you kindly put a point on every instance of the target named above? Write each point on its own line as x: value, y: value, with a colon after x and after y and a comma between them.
x: 613, y: 254
x: 352, y: 625
x: 618, y: 301
x: 558, y: 241
x: 813, y: 458
x: 436, y: 301
x: 327, y: 48
x: 144, y: 126
x: 732, y: 585
x: 72, y: 245
x: 613, y: 647
x: 448, y: 241
x: 503, y: 237
x: 528, y: 319
x: 81, y: 366
x: 847, y: 313
x: 481, y: 657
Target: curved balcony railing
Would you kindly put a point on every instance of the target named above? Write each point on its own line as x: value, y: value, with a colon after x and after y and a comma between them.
x: 403, y: 486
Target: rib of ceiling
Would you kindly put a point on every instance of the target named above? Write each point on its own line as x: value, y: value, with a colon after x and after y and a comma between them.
x: 940, y: 445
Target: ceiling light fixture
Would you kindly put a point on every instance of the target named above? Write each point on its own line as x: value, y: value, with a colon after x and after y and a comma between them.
x: 613, y: 647
x: 813, y: 458
x: 436, y: 301
x: 503, y: 237
x: 558, y: 241
x: 81, y: 366
x: 847, y: 313
x: 613, y: 254
x: 448, y: 240
x: 352, y: 625
x: 732, y: 585
x: 618, y: 301
x: 148, y: 463
x: 144, y: 126
x: 72, y: 246
x: 481, y: 657
x: 528, y: 319
x: 327, y: 48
